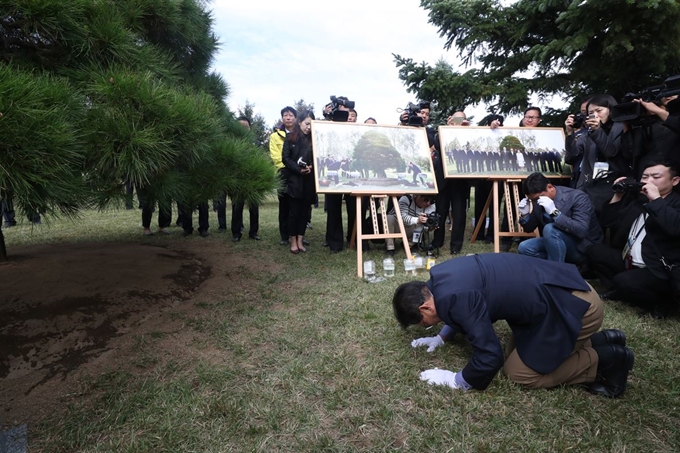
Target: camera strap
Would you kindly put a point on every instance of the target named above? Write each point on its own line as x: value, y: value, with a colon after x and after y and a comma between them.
x: 636, y: 229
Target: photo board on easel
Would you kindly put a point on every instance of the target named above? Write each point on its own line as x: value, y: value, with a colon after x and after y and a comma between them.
x: 482, y: 152
x: 371, y: 159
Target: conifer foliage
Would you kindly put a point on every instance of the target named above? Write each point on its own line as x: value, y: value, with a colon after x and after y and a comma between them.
x: 97, y: 93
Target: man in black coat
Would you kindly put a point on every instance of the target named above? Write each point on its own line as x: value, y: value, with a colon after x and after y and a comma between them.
x: 641, y: 266
x: 553, y: 314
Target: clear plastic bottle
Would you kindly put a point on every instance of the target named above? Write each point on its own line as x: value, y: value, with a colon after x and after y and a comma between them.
x: 388, y: 267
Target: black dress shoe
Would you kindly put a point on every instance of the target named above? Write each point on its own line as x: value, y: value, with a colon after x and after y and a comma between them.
x: 283, y: 242
x: 608, y: 336
x: 203, y: 234
x: 455, y: 252
x: 305, y: 242
x: 390, y: 253
x: 608, y: 295
x: 325, y: 244
x: 254, y: 236
x: 236, y: 238
x: 615, y: 362
x: 187, y: 233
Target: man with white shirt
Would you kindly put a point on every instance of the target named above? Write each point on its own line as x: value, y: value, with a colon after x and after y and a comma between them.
x: 639, y: 265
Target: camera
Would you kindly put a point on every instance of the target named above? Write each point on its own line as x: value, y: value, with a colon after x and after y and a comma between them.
x: 627, y: 185
x: 412, y: 110
x: 579, y: 120
x: 302, y: 163
x: 335, y: 113
x: 432, y: 221
x: 628, y: 110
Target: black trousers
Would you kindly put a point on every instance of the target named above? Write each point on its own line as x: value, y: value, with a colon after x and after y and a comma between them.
x: 284, y: 209
x: 335, y: 236
x: 220, y: 206
x: 164, y: 210
x: 637, y: 286
x: 186, y: 216
x: 453, y: 196
x: 483, y: 188
x: 237, y: 219
x: 8, y: 212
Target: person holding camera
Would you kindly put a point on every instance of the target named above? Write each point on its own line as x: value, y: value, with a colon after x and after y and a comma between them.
x: 640, y: 267
x: 276, y: 140
x: 554, y: 316
x: 338, y: 110
x: 651, y: 136
x: 300, y: 188
x: 415, y: 212
x: 564, y: 216
x: 580, y: 152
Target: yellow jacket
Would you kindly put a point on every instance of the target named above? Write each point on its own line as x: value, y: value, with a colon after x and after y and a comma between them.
x: 276, y: 147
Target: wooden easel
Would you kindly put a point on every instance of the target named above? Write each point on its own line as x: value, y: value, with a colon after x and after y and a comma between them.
x: 360, y: 237
x: 510, y: 188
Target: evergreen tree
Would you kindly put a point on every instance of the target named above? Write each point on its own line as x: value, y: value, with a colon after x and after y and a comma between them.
x: 143, y: 105
x: 549, y: 47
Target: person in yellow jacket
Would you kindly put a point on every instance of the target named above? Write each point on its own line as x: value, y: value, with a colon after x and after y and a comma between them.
x: 276, y: 139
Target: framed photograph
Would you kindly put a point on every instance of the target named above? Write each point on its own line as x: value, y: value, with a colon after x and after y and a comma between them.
x: 371, y: 159
x: 482, y: 152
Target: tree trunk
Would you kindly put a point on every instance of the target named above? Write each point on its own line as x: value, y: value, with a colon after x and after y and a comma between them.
x: 3, y: 249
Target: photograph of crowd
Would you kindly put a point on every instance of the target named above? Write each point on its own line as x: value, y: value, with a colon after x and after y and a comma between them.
x: 371, y: 159
x: 485, y: 152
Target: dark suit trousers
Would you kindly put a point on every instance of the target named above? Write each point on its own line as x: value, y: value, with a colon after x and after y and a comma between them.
x: 221, y: 208
x: 334, y: 231
x: 186, y: 215
x: 482, y: 190
x: 452, y: 196
x: 636, y: 286
x: 237, y: 219
x: 579, y: 368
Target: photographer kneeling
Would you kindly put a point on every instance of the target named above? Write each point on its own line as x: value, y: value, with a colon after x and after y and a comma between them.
x: 645, y: 251
x: 417, y: 214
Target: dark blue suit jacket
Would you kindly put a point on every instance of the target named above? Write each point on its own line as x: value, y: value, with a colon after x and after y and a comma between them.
x: 532, y: 295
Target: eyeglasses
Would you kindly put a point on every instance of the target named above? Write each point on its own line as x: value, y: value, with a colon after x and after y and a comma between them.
x: 532, y: 117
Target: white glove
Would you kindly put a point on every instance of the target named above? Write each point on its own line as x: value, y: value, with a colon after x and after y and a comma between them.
x: 432, y: 343
x: 547, y: 203
x: 524, y: 206
x: 440, y: 377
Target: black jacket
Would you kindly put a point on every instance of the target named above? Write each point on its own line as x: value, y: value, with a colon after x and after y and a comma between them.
x: 662, y: 227
x: 298, y: 185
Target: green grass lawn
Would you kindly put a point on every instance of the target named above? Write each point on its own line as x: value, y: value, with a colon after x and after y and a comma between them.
x: 311, y: 359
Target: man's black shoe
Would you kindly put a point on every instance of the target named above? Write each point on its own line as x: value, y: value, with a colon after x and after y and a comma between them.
x: 305, y: 242
x: 608, y: 295
x: 615, y: 362
x: 390, y: 253
x: 236, y: 238
x: 10, y: 224
x: 203, y: 234
x: 254, y: 236
x: 186, y: 233
x: 283, y: 242
x: 608, y: 336
x: 222, y: 229
x: 455, y: 251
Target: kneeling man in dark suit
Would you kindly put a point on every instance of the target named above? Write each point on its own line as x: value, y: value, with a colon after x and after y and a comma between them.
x: 553, y: 313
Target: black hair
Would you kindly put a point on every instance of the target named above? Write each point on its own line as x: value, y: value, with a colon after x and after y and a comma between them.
x: 296, y: 133
x: 533, y: 108
x: 371, y: 118
x: 407, y: 300
x: 290, y: 109
x: 424, y: 105
x: 671, y: 164
x: 602, y: 100
x: 535, y: 183
x: 244, y: 118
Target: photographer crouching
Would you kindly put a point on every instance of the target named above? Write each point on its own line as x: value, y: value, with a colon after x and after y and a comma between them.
x: 418, y: 215
x: 641, y: 266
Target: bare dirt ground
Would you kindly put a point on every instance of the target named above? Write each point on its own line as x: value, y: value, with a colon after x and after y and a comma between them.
x: 73, y: 310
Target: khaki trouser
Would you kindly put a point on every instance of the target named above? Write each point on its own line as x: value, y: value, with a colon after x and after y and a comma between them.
x: 393, y: 226
x: 579, y: 368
